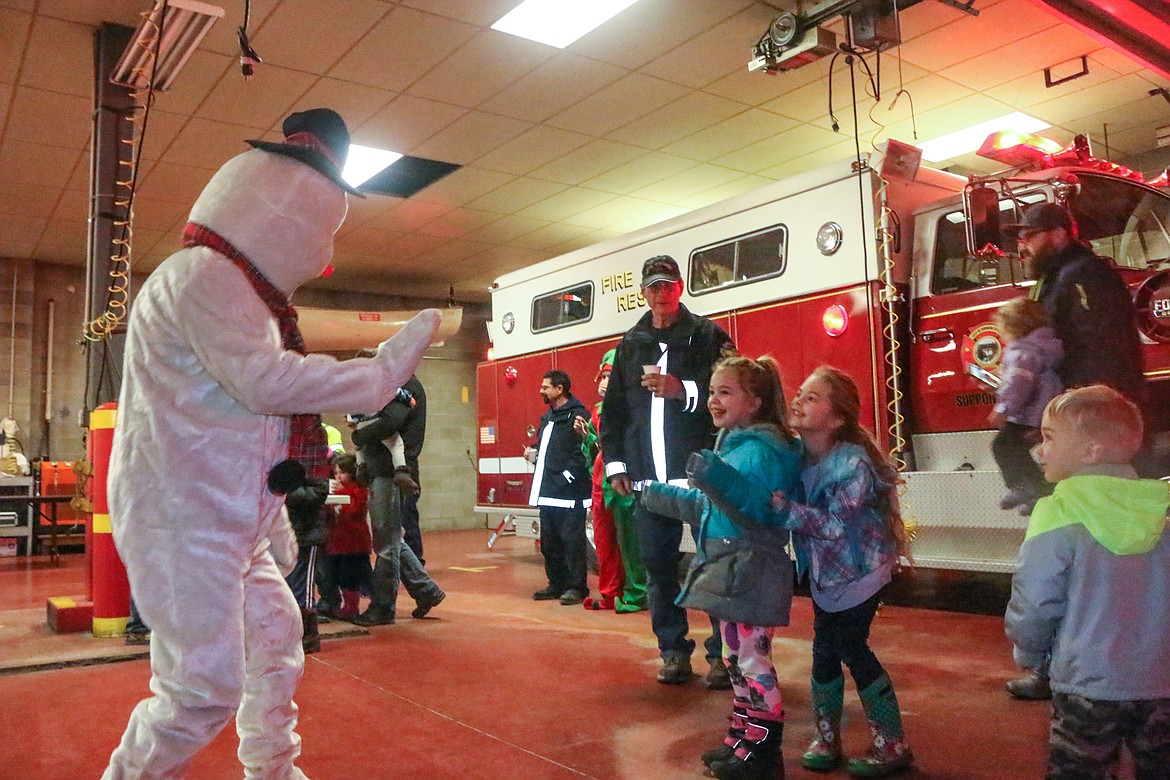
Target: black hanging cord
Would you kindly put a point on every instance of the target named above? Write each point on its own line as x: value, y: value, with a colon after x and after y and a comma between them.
x: 249, y: 59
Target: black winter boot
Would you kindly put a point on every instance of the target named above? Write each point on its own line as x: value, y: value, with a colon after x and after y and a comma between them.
x: 735, y: 734
x: 310, y: 638
x: 757, y: 757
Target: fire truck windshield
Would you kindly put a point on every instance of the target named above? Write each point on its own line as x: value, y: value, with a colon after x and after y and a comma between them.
x: 1123, y: 220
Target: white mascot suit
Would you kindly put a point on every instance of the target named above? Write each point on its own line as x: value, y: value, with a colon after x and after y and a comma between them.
x: 208, y: 391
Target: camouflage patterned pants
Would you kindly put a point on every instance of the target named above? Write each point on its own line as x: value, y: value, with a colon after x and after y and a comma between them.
x: 1087, y: 736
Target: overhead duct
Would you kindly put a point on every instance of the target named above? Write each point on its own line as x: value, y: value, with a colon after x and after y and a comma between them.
x: 334, y: 330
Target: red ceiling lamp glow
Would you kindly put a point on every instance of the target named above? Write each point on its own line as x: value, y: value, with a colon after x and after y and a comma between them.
x: 835, y: 320
x: 1019, y: 150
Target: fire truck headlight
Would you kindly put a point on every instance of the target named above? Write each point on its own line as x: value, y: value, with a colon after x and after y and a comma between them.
x: 835, y: 320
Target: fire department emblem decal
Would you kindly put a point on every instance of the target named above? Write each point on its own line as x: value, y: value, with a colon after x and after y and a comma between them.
x: 982, y: 352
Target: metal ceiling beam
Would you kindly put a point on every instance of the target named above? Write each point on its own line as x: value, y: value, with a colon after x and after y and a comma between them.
x: 1138, y: 28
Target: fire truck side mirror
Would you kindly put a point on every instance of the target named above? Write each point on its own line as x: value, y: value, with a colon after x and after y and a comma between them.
x: 981, y: 204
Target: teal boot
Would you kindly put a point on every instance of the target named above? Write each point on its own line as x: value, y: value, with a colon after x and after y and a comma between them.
x: 889, y: 752
x: 824, y: 753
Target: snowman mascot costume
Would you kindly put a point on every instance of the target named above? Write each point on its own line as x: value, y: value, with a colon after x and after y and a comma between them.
x: 218, y: 406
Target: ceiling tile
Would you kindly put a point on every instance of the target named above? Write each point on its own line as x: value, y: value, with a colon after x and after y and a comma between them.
x: 558, y: 83
x: 173, y: 183
x: 1111, y: 58
x: 470, y: 137
x: 464, y: 185
x: 639, y: 172
x: 1027, y: 55
x: 997, y: 25
x: 707, y: 57
x: 724, y: 191
x: 308, y: 35
x: 1028, y: 90
x: 161, y: 130
x: 29, y: 200
x: 406, y: 215
x: 615, y: 105
x: 203, y: 143
x: 1124, y: 115
x: 676, y: 120
x: 730, y: 134
x: 401, y: 48
x: 14, y: 28
x: 481, y: 12
x: 650, y: 29
x: 780, y: 148
x: 29, y: 163
x: 407, y: 122
x: 455, y: 252
x: 697, y: 179
x: 72, y: 205
x: 253, y: 104
x: 483, y: 66
x: 606, y: 214
x: 593, y: 159
x: 532, y: 149
x: 516, y: 194
x: 20, y: 234
x: 65, y: 240
x: 365, y: 239
x: 5, y: 99
x: 1130, y: 91
x: 505, y: 229
x: 552, y: 234
x: 565, y: 204
x: 59, y: 58
x: 94, y: 12
x: 659, y: 213
x: 196, y: 81
x: 955, y: 116
x: 49, y: 118
x: 458, y: 223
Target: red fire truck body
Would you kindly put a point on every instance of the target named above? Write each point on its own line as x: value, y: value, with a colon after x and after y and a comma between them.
x: 873, y: 268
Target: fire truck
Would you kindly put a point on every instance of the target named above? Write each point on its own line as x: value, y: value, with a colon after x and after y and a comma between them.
x: 877, y: 265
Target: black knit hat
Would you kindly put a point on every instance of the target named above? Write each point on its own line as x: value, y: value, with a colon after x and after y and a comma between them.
x: 318, y: 138
x: 1044, y: 216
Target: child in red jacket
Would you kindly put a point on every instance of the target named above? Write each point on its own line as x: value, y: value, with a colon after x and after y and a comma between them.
x: 349, y: 540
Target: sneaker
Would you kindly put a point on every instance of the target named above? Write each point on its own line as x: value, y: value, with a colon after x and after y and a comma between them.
x: 718, y: 678
x: 1031, y: 687
x: 138, y: 637
x: 547, y: 594
x: 573, y: 596
x: 425, y: 605
x: 374, y: 617
x: 676, y: 669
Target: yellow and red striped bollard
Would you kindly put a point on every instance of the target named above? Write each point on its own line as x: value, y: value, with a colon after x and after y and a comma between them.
x: 109, y: 589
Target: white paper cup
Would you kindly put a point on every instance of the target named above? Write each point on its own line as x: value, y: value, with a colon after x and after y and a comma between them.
x: 651, y: 368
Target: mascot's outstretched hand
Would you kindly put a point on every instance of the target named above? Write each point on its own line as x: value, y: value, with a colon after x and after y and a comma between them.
x: 401, y: 353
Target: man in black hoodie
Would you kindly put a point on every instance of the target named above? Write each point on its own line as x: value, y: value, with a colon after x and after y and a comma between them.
x: 561, y: 488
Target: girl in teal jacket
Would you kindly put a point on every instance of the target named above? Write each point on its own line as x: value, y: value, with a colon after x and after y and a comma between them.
x: 742, y: 574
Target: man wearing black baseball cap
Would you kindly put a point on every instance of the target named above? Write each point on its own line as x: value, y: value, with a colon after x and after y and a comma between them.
x: 1094, y: 317
x: 655, y: 415
x: 1090, y: 305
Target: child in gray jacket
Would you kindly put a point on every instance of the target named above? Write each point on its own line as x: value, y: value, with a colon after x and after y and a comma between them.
x: 1090, y: 591
x: 1028, y: 382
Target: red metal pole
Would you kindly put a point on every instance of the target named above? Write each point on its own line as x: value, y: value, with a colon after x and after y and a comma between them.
x: 110, y: 588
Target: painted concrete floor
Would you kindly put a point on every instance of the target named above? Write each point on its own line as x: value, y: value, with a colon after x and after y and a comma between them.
x: 495, y: 685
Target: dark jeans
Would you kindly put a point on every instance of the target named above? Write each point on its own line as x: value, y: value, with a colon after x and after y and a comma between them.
x: 658, y: 540
x: 396, y: 562
x: 411, y: 533
x: 1012, y: 448
x: 562, y: 542
x: 843, y: 637
x: 135, y: 624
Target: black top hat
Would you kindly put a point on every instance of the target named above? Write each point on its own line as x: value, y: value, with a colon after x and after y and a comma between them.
x: 661, y: 268
x: 318, y: 138
x: 1043, y: 216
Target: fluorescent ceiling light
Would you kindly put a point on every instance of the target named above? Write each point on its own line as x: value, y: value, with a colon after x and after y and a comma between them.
x: 183, y: 26
x: 362, y: 162
x: 559, y: 22
x: 971, y: 138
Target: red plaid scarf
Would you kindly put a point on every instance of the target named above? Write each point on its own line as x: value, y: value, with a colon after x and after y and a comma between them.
x: 307, y: 442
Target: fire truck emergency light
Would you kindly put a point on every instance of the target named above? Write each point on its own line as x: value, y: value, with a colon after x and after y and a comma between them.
x: 1017, y: 149
x: 835, y: 320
